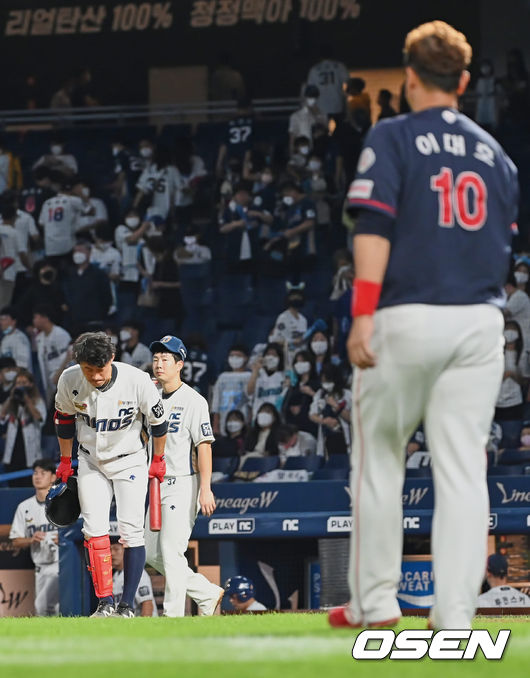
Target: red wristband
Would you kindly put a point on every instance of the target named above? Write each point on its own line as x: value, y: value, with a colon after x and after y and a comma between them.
x: 365, y: 297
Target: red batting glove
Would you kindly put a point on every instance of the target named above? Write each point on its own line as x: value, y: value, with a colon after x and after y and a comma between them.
x: 158, y: 467
x: 64, y: 470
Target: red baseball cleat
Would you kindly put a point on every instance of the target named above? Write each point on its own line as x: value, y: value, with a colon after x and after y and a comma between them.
x: 339, y: 617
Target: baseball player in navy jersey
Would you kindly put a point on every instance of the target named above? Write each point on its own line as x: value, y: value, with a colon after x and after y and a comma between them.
x: 108, y: 403
x: 438, y: 198
x: 186, y: 486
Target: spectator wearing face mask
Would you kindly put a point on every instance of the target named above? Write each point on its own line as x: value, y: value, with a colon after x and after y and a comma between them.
x: 291, y: 325
x: 296, y: 222
x: 8, y: 373
x: 301, y: 121
x: 518, y: 304
x: 267, y: 381
x: 133, y: 351
x: 294, y: 443
x: 262, y: 438
x: 43, y: 289
x: 300, y: 394
x: 127, y: 237
x: 58, y: 159
x: 86, y: 288
x: 60, y: 219
x: 330, y: 409
x: 192, y: 251
x: 320, y: 350
x: 14, y: 343
x: 230, y: 389
x: 94, y: 212
x: 521, y: 274
x: 103, y: 254
x: 25, y: 412
x: 297, y: 165
x: 525, y: 436
x: 510, y: 401
x: 157, y: 184
x: 233, y: 442
x: 265, y: 194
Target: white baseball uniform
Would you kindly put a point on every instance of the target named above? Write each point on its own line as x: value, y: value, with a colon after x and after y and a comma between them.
x: 188, y: 427
x: 140, y: 356
x: 112, y: 446
x: 329, y: 76
x: 503, y: 596
x: 16, y: 345
x: 60, y: 219
x: 30, y: 518
x: 129, y: 254
x: 160, y: 184
x: 51, y: 350
x: 143, y: 593
x: 26, y: 229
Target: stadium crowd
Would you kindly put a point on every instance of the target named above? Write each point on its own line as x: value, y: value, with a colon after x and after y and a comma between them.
x: 240, y: 243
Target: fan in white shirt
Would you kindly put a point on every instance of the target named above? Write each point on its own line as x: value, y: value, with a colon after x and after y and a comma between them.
x: 94, y: 209
x: 158, y: 182
x: 60, y: 218
x: 52, y: 346
x: 133, y: 351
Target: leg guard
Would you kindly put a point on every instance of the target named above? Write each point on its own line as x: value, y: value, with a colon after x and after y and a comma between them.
x: 100, y: 564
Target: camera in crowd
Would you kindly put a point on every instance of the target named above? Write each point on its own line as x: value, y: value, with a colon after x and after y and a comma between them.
x: 19, y: 394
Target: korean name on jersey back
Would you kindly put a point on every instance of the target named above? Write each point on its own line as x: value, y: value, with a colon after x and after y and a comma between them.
x: 452, y: 193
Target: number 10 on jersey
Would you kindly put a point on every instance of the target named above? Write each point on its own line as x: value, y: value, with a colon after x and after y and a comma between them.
x: 462, y: 199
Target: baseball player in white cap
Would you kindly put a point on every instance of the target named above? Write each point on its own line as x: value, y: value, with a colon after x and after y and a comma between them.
x: 186, y: 485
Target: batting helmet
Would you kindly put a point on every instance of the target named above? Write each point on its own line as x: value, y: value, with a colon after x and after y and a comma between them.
x: 62, y: 503
x: 241, y: 587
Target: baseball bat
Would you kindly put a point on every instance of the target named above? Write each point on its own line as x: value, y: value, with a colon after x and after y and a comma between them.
x: 155, y: 512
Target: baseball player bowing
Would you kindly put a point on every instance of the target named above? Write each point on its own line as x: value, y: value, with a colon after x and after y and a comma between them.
x: 107, y: 402
x: 186, y: 485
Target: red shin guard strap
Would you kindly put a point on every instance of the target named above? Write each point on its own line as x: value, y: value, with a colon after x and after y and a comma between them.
x: 100, y: 566
x: 365, y: 297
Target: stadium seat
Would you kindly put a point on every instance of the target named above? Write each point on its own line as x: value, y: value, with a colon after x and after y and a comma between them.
x: 338, y: 461
x: 225, y: 465
x: 514, y: 456
x: 331, y: 474
x: 513, y: 470
x: 310, y: 463
x: 511, y: 433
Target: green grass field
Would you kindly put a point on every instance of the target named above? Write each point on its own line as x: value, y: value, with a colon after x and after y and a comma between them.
x: 265, y: 646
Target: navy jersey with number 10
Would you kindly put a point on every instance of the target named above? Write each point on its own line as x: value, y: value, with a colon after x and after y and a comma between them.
x: 452, y: 193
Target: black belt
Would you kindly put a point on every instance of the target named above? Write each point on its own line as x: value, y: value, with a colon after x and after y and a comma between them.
x: 83, y: 449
